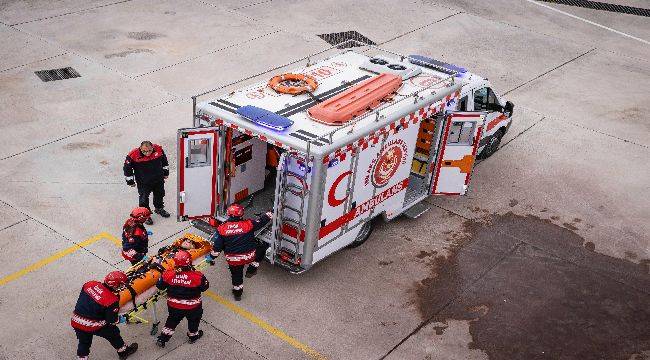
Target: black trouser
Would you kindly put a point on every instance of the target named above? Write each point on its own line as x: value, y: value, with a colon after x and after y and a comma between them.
x: 237, y: 271
x: 158, y: 189
x: 236, y: 274
x: 176, y: 316
x: 108, y: 332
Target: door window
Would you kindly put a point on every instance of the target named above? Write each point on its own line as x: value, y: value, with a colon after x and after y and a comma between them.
x: 461, y: 133
x: 199, y: 152
x: 485, y: 100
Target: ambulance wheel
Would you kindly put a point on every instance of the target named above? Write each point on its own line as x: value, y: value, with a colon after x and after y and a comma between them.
x: 364, y: 234
x: 493, y: 145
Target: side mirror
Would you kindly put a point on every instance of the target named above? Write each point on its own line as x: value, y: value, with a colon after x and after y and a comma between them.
x: 509, y: 108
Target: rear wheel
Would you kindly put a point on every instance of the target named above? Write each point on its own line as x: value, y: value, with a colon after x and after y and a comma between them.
x: 492, y: 146
x: 364, y: 234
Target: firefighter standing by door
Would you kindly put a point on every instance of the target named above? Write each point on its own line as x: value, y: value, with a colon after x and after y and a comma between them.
x: 184, y: 286
x: 236, y: 238
x: 95, y: 314
x: 135, y: 238
x: 147, y: 167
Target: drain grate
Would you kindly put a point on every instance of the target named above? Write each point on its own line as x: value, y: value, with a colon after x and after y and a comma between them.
x: 57, y: 74
x: 341, y: 37
x: 602, y: 6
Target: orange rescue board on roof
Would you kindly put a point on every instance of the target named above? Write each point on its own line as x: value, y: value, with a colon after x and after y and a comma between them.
x: 355, y: 101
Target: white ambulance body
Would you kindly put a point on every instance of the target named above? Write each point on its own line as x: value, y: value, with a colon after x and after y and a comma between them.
x: 332, y: 180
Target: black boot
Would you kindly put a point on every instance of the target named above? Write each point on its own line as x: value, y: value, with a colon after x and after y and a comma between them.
x: 128, y: 351
x: 193, y: 338
x: 237, y: 293
x: 162, y: 212
x: 251, y: 270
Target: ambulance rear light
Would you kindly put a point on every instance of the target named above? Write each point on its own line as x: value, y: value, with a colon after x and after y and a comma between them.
x: 438, y: 65
x: 265, y: 118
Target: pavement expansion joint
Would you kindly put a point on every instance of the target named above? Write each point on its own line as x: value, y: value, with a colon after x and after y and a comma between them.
x: 420, y: 28
x: 91, y: 128
x: 207, y: 54
x: 585, y: 128
x: 14, y: 224
x: 251, y: 5
x: 70, y: 13
x: 232, y: 338
x: 549, y: 71
x: 34, y: 62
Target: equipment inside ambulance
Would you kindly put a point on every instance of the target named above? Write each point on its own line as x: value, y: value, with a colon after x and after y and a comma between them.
x: 333, y: 145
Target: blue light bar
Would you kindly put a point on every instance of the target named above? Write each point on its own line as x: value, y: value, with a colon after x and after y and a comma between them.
x: 265, y: 118
x: 437, y: 65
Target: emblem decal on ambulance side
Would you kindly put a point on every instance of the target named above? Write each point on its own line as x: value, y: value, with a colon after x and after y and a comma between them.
x: 391, y: 156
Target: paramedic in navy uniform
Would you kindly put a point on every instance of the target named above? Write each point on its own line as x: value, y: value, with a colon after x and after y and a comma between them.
x: 147, y: 167
x: 236, y: 238
x: 96, y: 315
x: 184, y: 285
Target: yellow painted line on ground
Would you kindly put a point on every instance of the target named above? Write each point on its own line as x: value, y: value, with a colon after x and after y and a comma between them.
x: 112, y: 239
x: 39, y: 264
x: 266, y: 326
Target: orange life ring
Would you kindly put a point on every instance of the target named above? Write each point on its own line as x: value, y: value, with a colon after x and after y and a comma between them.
x: 293, y: 84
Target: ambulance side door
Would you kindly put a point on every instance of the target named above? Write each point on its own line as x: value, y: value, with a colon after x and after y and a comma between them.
x: 197, y: 172
x: 457, y: 153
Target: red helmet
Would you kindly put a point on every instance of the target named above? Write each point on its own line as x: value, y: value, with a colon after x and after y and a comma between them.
x: 115, y: 278
x: 182, y: 258
x: 140, y: 214
x: 235, y: 210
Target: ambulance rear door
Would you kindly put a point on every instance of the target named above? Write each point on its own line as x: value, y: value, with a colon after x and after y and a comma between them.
x: 457, y: 152
x: 197, y: 172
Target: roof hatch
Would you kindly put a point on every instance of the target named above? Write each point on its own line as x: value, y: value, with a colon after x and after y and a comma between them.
x: 380, y: 64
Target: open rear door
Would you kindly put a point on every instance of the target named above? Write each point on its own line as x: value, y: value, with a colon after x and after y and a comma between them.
x: 197, y: 172
x: 457, y: 152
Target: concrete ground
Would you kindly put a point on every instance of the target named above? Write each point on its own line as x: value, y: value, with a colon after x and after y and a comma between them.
x: 548, y: 257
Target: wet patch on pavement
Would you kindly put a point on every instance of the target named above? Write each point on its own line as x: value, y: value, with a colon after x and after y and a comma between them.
x: 128, y: 52
x: 82, y: 145
x: 144, y: 35
x: 533, y: 292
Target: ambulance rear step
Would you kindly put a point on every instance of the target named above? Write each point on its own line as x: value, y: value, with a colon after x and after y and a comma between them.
x: 416, y: 210
x: 284, y: 259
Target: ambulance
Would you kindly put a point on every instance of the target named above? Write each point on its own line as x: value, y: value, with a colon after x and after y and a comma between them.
x: 333, y: 145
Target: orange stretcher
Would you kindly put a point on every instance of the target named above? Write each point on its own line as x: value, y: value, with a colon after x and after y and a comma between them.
x: 144, y: 276
x: 356, y: 100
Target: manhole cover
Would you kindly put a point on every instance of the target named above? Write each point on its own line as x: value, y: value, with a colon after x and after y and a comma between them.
x: 342, y: 37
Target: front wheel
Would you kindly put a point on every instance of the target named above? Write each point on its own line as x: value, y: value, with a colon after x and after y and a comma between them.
x: 492, y: 146
x: 364, y: 234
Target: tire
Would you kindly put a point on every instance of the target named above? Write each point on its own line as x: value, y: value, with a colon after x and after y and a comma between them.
x: 492, y: 146
x: 364, y: 234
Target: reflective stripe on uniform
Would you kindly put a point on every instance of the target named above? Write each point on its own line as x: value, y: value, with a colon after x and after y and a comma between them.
x: 183, y: 303
x: 87, y: 324
x: 240, y: 259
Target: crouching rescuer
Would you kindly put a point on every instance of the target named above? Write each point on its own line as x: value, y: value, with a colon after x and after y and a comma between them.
x: 184, y: 286
x: 236, y: 238
x: 135, y: 238
x: 96, y: 314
